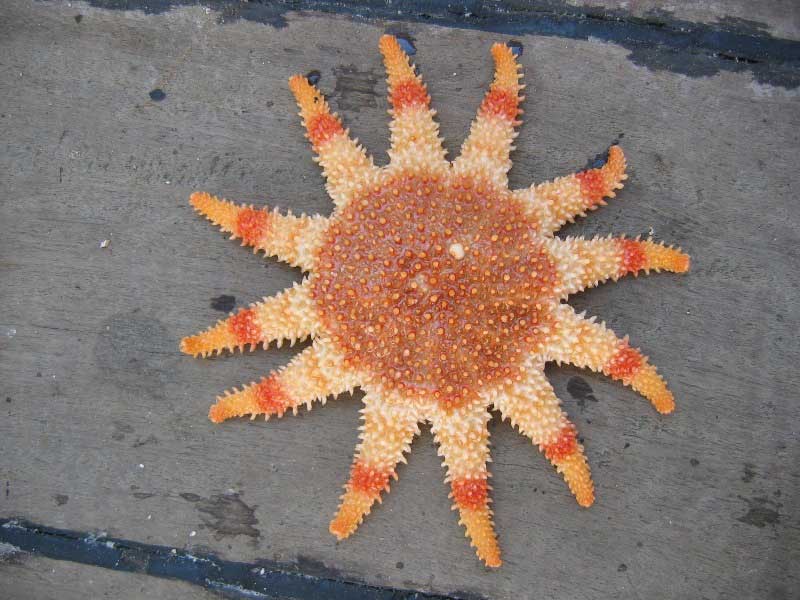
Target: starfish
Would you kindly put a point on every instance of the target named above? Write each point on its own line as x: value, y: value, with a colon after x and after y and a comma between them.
x: 439, y: 292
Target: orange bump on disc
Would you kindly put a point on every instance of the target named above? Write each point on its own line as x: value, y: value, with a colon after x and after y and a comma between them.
x: 438, y: 291
x: 430, y: 288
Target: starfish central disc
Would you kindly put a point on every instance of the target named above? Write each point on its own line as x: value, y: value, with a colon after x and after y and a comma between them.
x: 435, y: 287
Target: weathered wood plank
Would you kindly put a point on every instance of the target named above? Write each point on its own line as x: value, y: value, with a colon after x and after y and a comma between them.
x: 779, y: 17
x: 37, y: 578
x: 104, y: 422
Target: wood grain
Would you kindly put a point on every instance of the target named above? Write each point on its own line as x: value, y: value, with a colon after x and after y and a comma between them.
x: 36, y: 578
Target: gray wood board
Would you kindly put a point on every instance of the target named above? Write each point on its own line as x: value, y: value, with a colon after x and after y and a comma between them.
x: 37, y: 578
x: 779, y: 17
x: 104, y: 422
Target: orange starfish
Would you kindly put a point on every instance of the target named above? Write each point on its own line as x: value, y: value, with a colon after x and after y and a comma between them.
x: 439, y: 292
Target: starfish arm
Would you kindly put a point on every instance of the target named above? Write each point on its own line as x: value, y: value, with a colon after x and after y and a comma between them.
x: 344, y: 161
x: 557, y: 202
x: 388, y: 430
x: 314, y: 374
x: 415, y: 145
x: 487, y: 149
x: 532, y: 406
x: 289, y: 315
x: 584, y: 343
x: 291, y: 239
x: 585, y: 263
x: 463, y: 439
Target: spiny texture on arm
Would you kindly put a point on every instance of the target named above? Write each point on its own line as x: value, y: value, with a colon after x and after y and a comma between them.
x: 291, y: 239
x: 532, y: 405
x: 287, y: 316
x: 344, y: 161
x: 487, y: 149
x: 415, y: 144
x: 586, y: 263
x: 559, y: 201
x: 386, y: 435
x: 463, y: 439
x: 439, y: 292
x: 313, y: 375
x: 584, y: 343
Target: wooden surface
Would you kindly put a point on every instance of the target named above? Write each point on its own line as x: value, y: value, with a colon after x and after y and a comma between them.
x: 104, y: 422
x: 779, y: 17
x: 43, y: 579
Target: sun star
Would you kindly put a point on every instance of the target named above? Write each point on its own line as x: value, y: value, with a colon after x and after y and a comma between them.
x: 439, y: 292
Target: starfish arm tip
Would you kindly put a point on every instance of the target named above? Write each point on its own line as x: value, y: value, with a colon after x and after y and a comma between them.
x: 192, y: 346
x: 216, y: 414
x: 197, y: 198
